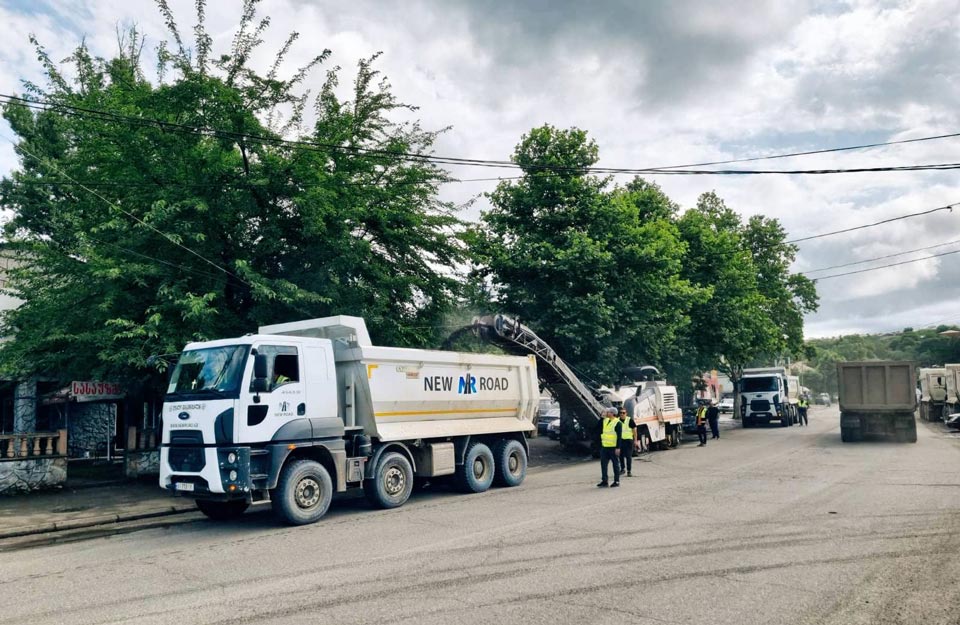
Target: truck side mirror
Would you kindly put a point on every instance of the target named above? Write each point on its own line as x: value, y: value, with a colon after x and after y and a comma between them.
x: 260, y: 367
x: 260, y: 382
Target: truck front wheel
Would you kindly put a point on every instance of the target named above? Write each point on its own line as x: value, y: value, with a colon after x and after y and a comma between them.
x: 511, y: 462
x: 392, y: 481
x: 303, y: 492
x: 476, y: 473
x: 222, y: 510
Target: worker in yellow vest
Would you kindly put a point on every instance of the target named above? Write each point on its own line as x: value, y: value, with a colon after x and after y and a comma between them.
x: 802, y: 406
x: 702, y: 425
x: 610, y: 429
x: 628, y: 442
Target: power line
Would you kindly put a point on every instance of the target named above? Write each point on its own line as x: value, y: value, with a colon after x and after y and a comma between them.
x: 445, y: 160
x: 905, y: 262
x: 863, y: 146
x: 870, y: 260
x: 948, y: 207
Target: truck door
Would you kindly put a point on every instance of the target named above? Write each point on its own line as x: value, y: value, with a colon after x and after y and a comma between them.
x: 285, y: 400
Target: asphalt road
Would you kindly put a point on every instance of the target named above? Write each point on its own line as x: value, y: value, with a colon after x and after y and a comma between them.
x: 768, y: 525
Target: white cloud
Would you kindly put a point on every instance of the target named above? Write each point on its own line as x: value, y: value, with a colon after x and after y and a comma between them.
x: 655, y: 83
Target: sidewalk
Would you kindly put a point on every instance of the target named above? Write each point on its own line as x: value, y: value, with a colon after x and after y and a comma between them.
x: 83, y: 504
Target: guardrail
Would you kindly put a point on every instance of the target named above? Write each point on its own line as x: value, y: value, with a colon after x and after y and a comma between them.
x: 33, y: 445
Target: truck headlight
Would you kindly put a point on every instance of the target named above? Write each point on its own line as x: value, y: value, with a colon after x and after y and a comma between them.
x: 233, y: 476
x: 231, y: 458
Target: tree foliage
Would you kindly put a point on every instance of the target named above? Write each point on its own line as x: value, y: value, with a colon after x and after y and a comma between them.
x: 148, y: 214
x: 926, y: 347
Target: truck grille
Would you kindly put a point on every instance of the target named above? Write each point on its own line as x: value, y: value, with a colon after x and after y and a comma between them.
x: 760, y: 405
x: 186, y: 459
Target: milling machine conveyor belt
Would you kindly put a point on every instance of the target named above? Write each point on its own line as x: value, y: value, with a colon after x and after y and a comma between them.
x: 515, y: 338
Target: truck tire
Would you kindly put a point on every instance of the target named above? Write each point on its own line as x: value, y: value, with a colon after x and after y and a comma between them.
x: 746, y: 423
x: 392, y: 481
x: 303, y: 492
x: 511, y: 461
x: 646, y: 442
x: 674, y: 438
x: 222, y: 510
x: 785, y: 421
x: 907, y: 431
x: 475, y: 475
x: 845, y: 434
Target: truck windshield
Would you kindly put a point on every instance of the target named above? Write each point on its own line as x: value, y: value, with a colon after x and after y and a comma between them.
x: 760, y: 385
x: 211, y: 371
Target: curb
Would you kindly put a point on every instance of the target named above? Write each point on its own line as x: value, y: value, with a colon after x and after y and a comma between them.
x: 108, y: 519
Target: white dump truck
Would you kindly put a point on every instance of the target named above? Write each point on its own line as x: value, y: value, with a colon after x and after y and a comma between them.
x: 933, y: 392
x: 302, y: 410
x: 769, y: 394
x: 952, y: 401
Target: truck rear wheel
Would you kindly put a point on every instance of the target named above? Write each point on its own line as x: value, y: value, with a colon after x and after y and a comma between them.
x: 222, y: 510
x: 303, y: 492
x: 845, y: 434
x: 392, y: 481
x: 907, y: 431
x: 475, y: 475
x: 511, y: 462
x: 675, y: 437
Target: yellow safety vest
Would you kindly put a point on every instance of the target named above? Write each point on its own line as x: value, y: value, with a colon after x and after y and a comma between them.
x: 608, y: 438
x: 701, y: 415
x: 626, y: 433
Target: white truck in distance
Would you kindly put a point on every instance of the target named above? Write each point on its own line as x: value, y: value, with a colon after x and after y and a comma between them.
x: 952, y: 405
x: 769, y: 394
x: 933, y: 392
x: 302, y: 410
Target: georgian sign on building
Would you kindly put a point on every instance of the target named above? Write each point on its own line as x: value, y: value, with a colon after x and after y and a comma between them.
x: 95, y: 391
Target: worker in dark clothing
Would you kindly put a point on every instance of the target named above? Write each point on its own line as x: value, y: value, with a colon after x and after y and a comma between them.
x: 802, y: 406
x: 628, y: 442
x: 713, y: 417
x: 609, y: 448
x: 702, y: 425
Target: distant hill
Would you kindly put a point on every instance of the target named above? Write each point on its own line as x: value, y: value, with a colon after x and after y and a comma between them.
x: 926, y: 347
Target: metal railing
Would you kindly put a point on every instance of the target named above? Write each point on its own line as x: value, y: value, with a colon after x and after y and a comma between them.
x: 33, y: 445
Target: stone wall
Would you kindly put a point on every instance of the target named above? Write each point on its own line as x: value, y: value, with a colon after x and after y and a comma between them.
x: 91, y: 425
x: 20, y: 476
x: 143, y: 463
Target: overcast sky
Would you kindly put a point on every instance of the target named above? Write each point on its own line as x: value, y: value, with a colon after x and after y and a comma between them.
x: 655, y: 83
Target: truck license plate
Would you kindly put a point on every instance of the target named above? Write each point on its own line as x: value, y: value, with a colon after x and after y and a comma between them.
x: 188, y: 486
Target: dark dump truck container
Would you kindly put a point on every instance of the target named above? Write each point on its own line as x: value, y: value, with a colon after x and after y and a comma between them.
x: 877, y: 397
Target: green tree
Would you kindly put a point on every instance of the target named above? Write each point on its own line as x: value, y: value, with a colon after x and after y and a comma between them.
x: 150, y: 214
x: 595, y: 271
x: 751, y: 309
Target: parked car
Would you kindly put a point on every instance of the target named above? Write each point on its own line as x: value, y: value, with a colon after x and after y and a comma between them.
x: 690, y: 419
x: 553, y: 429
x: 726, y: 404
x: 823, y: 399
x: 546, y: 418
